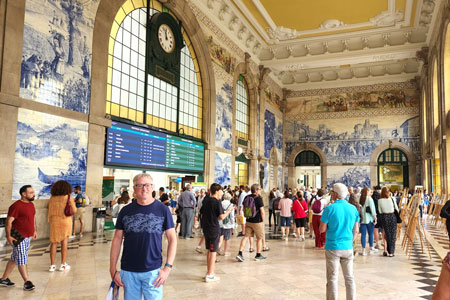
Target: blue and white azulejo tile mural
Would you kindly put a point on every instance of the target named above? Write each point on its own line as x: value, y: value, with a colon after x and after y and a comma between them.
x: 273, y: 134
x: 354, y: 176
x: 224, y: 115
x: 356, y: 138
x: 57, y: 52
x: 49, y: 148
x: 222, y: 168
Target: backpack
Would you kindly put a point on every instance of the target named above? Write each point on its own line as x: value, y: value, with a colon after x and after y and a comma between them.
x: 249, y: 205
x: 276, y: 204
x: 227, y: 219
x: 317, y: 207
x: 86, y: 200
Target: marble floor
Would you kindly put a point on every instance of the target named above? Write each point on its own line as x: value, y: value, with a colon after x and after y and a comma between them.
x: 293, y: 270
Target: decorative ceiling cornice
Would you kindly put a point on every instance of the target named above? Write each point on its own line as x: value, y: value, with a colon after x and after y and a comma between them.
x: 353, y: 89
x: 391, y: 40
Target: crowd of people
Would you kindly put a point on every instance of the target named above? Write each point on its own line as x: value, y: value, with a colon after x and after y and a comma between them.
x: 333, y: 218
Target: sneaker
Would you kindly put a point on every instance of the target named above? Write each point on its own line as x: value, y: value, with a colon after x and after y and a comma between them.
x: 6, y: 282
x: 81, y: 235
x: 258, y: 258
x: 240, y: 234
x: 294, y: 234
x: 363, y: 253
x: 199, y: 250
x: 28, y: 286
x: 239, y: 258
x: 72, y: 237
x: 211, y: 278
x: 251, y: 250
x: 52, y: 268
x: 286, y: 239
x: 227, y: 254
x: 64, y: 267
x: 220, y: 252
x: 373, y: 250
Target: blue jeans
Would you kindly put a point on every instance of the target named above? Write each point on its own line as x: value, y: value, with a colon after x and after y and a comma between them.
x: 141, y: 283
x: 364, y: 228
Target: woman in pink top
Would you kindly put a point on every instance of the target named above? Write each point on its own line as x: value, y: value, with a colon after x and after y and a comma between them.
x: 300, y: 209
x: 285, y: 214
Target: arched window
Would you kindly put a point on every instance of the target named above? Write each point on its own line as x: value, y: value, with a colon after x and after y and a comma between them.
x: 307, y: 158
x: 435, y: 98
x: 134, y: 95
x: 393, y: 169
x: 447, y: 69
x: 242, y: 108
x: 424, y: 114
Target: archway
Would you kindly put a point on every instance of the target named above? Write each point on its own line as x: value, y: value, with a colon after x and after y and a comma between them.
x: 393, y: 169
x: 307, y: 169
x: 410, y: 158
x: 292, y: 182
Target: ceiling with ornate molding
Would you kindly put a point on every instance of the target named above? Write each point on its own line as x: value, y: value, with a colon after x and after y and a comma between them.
x: 328, y: 43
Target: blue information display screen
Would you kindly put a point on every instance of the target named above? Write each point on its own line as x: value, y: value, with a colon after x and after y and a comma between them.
x: 134, y: 146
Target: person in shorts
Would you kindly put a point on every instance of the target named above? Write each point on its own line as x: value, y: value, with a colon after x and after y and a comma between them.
x: 210, y: 214
x: 226, y: 225
x: 20, y: 229
x: 285, y: 215
x: 79, y: 214
x: 255, y: 225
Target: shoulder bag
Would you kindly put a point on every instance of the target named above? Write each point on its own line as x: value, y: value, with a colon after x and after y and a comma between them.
x: 396, y: 213
x: 68, y: 211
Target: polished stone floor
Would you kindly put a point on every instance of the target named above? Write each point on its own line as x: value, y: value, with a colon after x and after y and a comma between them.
x: 293, y: 270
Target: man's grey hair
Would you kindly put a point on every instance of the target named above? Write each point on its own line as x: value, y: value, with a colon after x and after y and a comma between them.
x: 341, y: 190
x: 188, y: 186
x: 142, y: 175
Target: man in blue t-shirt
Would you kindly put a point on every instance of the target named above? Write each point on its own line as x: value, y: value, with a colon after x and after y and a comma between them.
x: 340, y: 222
x: 141, y: 225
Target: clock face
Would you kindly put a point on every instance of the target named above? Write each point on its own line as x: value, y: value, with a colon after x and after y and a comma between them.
x: 166, y: 38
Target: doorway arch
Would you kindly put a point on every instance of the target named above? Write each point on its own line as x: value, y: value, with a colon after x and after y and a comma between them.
x: 307, y: 169
x: 391, y: 144
x: 310, y: 159
x: 393, y: 169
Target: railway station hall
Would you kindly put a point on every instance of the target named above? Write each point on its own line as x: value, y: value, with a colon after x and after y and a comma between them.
x: 224, y: 149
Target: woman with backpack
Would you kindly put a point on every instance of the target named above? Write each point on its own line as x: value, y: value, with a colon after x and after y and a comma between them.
x: 317, y: 206
x: 368, y: 220
x: 285, y: 214
x: 300, y: 209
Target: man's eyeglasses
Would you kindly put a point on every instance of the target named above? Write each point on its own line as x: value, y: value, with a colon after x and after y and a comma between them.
x: 142, y: 186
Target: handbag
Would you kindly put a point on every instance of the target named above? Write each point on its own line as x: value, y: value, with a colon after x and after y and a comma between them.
x: 17, y: 235
x: 396, y: 213
x: 68, y: 211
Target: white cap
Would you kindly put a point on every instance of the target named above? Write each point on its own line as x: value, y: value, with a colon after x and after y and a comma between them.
x: 341, y: 190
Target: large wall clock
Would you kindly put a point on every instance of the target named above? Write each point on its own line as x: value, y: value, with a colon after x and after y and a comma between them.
x: 164, y: 45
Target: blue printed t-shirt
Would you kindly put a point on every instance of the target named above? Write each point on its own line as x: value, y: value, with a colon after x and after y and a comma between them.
x: 77, y: 198
x: 340, y: 218
x: 143, y: 227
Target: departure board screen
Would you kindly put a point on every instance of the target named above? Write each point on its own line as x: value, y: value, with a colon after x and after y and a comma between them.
x: 133, y: 146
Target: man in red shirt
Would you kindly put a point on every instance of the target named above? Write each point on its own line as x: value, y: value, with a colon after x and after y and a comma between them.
x: 20, y: 228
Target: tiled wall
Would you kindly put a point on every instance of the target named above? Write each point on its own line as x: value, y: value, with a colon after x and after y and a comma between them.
x: 57, y: 50
x: 49, y: 148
